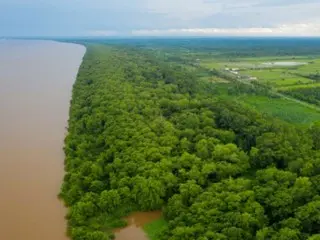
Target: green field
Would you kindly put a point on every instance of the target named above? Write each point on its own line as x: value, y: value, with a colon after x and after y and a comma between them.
x: 213, y: 79
x: 274, y: 75
x: 312, y: 67
x: 310, y: 95
x: 268, y: 74
x: 284, y: 109
x: 289, y: 81
x: 300, y: 86
x: 280, y: 58
x: 294, y: 81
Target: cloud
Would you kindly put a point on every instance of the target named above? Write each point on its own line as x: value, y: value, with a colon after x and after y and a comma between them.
x: 273, y: 3
x: 182, y: 9
x: 186, y: 10
x: 306, y: 29
x: 264, y: 16
x: 79, y: 17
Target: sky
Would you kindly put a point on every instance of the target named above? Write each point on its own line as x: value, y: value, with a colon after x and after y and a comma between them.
x: 112, y: 18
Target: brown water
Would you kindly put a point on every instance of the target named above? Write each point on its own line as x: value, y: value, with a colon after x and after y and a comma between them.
x: 36, y: 79
x: 136, y: 221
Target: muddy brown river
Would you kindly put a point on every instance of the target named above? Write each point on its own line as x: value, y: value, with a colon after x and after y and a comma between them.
x: 136, y: 221
x: 36, y: 79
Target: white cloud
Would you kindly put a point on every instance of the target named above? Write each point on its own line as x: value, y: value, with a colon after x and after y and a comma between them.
x: 187, y: 17
x: 186, y: 10
x: 182, y: 9
x: 302, y: 29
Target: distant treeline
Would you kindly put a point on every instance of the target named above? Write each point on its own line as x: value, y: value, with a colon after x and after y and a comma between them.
x: 221, y: 46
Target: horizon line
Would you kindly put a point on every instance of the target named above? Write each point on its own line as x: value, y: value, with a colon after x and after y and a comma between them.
x: 34, y: 37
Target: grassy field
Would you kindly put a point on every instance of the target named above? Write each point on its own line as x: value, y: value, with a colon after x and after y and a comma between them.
x: 214, y: 79
x: 289, y: 81
x: 281, y: 78
x: 212, y: 64
x: 312, y: 67
x: 298, y: 86
x: 283, y: 109
x: 154, y: 228
x: 257, y: 62
x: 280, y: 58
x: 276, y: 76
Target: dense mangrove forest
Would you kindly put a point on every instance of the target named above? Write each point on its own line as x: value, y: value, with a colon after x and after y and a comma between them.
x: 148, y: 134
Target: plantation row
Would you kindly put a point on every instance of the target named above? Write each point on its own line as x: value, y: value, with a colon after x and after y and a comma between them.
x: 311, y: 95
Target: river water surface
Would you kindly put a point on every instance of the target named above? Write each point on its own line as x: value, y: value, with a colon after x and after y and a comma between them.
x: 134, y: 229
x: 36, y: 80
